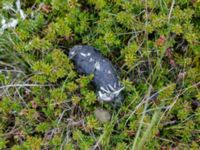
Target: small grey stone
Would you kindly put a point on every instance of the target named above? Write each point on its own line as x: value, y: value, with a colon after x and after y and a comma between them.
x: 102, y: 115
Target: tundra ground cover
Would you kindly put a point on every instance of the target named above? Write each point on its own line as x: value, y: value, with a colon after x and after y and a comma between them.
x: 46, y: 104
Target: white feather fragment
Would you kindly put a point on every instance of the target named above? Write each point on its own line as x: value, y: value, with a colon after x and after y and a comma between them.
x: 23, y: 16
x: 104, y: 96
x: 12, y: 22
x: 7, y: 6
x: 97, y: 65
x: 115, y: 85
x: 71, y: 54
x: 18, y: 5
x: 91, y: 60
x: 105, y: 90
x: 109, y: 72
x: 116, y: 93
x: 83, y: 54
x: 21, y: 12
x: 3, y: 21
x: 110, y: 86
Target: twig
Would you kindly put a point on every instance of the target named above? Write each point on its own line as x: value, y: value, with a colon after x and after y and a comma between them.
x: 127, y: 33
x: 17, y: 71
x: 170, y: 12
x: 143, y: 101
x: 23, y: 85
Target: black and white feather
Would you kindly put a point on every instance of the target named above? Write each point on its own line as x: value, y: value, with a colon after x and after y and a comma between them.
x: 88, y: 60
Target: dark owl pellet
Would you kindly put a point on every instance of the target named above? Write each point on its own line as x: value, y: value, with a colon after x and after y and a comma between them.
x: 88, y: 60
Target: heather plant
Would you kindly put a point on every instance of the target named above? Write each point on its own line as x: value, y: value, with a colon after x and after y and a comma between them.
x: 155, y: 47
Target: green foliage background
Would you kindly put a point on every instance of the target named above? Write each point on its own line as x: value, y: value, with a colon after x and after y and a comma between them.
x: 155, y: 46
